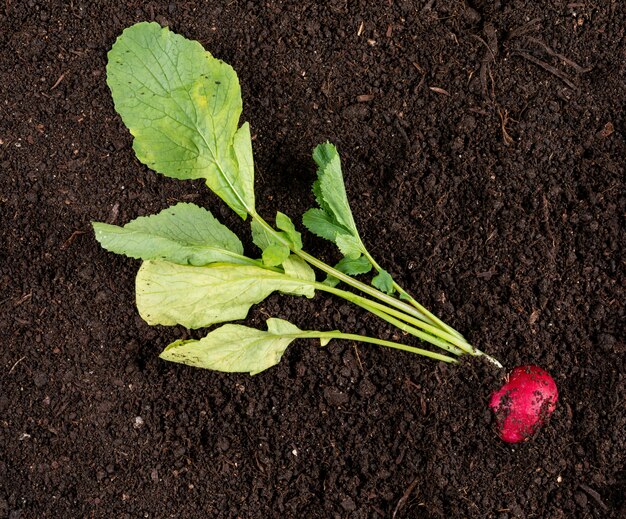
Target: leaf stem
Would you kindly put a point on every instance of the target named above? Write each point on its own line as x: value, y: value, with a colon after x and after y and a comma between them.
x: 429, y: 317
x: 447, y: 338
x: 435, y: 336
x: 371, y: 340
x: 455, y: 344
x: 349, y: 280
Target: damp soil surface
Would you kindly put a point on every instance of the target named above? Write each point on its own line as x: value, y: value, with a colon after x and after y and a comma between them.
x: 483, y: 146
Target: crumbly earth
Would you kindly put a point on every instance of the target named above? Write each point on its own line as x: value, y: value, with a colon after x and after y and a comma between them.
x: 483, y: 148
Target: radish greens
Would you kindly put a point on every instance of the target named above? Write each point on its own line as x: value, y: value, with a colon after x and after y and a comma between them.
x: 182, y: 107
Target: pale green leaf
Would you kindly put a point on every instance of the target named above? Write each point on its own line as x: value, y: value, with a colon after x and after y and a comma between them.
x: 383, y: 282
x: 274, y: 251
x: 284, y: 223
x: 262, y: 238
x: 350, y: 246
x: 242, y: 147
x: 182, y: 106
x: 296, y: 267
x: 323, y: 224
x: 275, y: 254
x: 236, y: 348
x: 184, y: 234
x: 331, y: 185
x: 324, y: 341
x: 196, y: 297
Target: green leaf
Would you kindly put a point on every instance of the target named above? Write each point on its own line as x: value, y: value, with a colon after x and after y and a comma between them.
x: 273, y: 250
x: 296, y: 267
x: 242, y: 146
x: 262, y: 238
x: 319, y: 197
x: 323, y: 224
x: 196, y: 297
x: 331, y: 281
x: 350, y: 246
x: 184, y: 233
x: 383, y: 282
x: 352, y: 267
x: 331, y: 185
x: 284, y: 223
x: 182, y: 106
x: 236, y: 348
x: 275, y: 254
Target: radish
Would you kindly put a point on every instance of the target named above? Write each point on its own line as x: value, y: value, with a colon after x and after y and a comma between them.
x: 195, y: 272
x: 523, y: 404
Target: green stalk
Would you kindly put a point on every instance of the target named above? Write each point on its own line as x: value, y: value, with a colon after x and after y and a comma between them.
x: 446, y: 342
x: 436, y: 337
x: 452, y: 336
x: 430, y: 317
x: 349, y: 280
x: 461, y: 345
x: 371, y: 340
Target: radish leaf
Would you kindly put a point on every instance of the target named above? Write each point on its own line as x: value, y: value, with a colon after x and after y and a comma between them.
x: 196, y: 297
x: 350, y: 246
x: 236, y: 348
x: 383, y: 282
x: 274, y: 246
x: 331, y: 186
x: 333, y: 219
x: 275, y: 254
x: 182, y: 106
x: 297, y: 268
x: 284, y: 223
x: 352, y: 267
x: 184, y: 233
x: 322, y: 224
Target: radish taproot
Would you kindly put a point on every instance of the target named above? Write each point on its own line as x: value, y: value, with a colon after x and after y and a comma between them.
x: 524, y: 403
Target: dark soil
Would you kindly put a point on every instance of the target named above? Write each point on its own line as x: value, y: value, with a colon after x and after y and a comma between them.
x: 485, y: 165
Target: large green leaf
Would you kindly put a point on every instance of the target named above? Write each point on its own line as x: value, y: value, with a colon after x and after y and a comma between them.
x: 196, y: 297
x: 182, y: 105
x: 236, y: 348
x: 184, y: 233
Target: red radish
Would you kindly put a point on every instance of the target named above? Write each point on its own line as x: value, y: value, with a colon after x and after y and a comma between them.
x: 523, y: 403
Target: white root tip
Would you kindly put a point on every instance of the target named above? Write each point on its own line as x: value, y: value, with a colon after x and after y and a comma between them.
x: 489, y: 358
